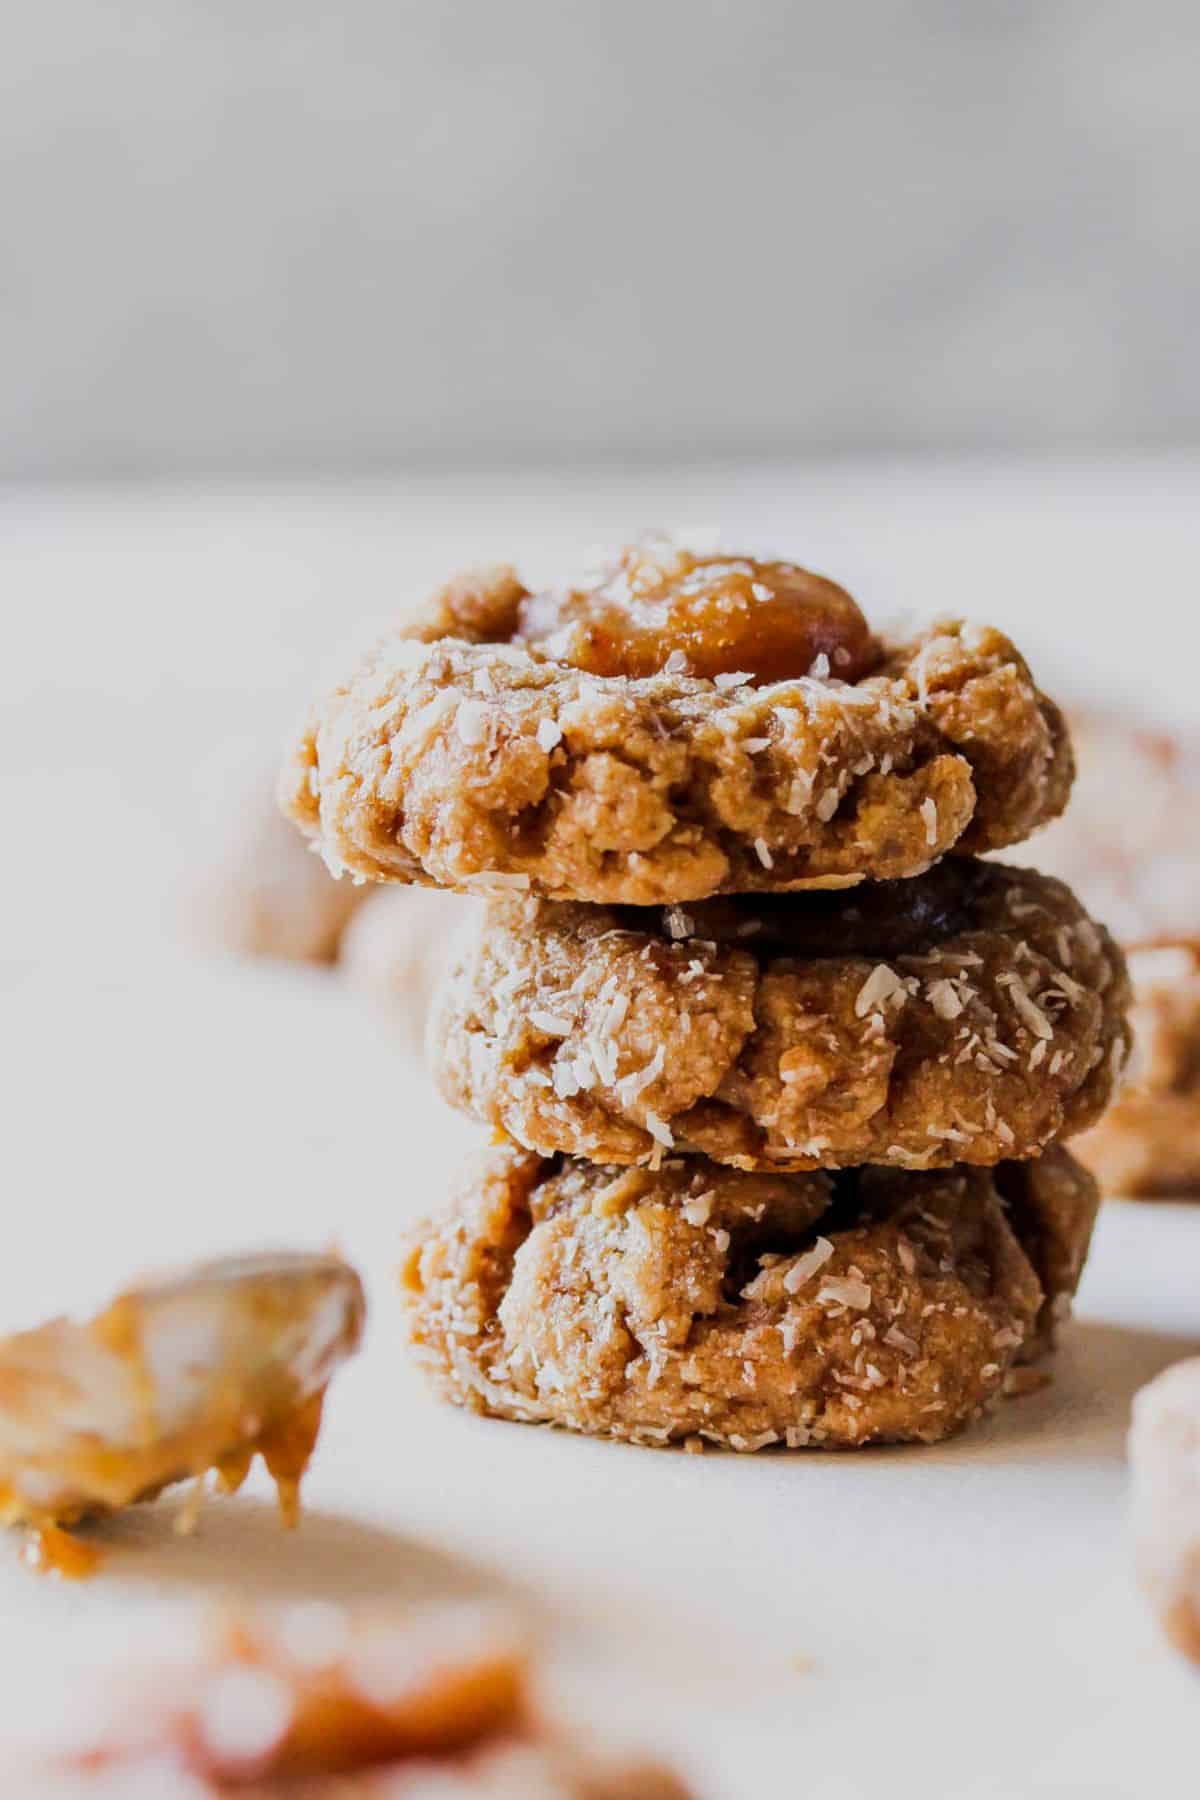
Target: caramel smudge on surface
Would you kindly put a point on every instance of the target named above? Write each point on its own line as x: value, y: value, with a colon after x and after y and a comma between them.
x: 52, y: 1551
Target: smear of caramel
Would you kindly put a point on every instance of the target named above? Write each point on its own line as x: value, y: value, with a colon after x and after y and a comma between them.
x: 287, y: 1449
x: 49, y: 1550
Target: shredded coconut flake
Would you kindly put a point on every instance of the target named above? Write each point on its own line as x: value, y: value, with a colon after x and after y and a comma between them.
x: 763, y: 853
x: 553, y: 1024
x: 929, y: 813
x: 944, y: 999
x: 549, y: 733
x: 566, y: 1081
x: 630, y: 1086
x: 883, y: 987
x: 660, y: 1130
x: 900, y: 1340
x: 1027, y: 1007
x: 495, y: 881
x: 807, y: 1265
x: 471, y: 722
x: 732, y: 678
x: 846, y: 1290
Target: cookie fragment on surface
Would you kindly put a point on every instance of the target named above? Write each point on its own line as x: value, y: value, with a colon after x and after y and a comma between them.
x: 313, y: 1700
x: 464, y: 754
x: 1147, y: 1146
x: 746, y: 1309
x: 202, y: 1369
x: 971, y: 1015
x: 1164, y: 1460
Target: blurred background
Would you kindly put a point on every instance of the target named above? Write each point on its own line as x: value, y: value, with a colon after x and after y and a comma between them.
x: 293, y: 237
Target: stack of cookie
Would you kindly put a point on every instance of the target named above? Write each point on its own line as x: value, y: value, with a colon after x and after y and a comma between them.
x: 779, y: 1071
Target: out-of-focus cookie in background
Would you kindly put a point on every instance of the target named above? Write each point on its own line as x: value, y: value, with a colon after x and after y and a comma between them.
x: 1130, y: 846
x: 260, y: 891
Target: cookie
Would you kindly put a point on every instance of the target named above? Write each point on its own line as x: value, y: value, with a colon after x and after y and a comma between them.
x: 1164, y: 1460
x: 1130, y: 844
x: 266, y: 894
x: 391, y: 953
x: 748, y: 1310
x: 679, y: 727
x: 972, y: 1014
x: 1148, y: 1144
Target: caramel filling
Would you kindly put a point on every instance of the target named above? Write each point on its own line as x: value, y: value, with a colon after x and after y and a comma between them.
x: 705, y: 615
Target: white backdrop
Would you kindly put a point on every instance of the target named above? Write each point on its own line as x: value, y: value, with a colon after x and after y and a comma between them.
x: 291, y: 234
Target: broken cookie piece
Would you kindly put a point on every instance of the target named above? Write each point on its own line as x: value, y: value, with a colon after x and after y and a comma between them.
x: 200, y: 1370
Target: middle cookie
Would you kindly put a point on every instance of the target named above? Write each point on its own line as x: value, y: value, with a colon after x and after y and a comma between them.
x: 970, y: 1015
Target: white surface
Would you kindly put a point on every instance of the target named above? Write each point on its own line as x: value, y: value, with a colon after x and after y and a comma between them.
x: 970, y: 1611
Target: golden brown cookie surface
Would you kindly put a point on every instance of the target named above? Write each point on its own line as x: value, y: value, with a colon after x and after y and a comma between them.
x: 468, y: 756
x: 972, y: 1014
x: 749, y: 1310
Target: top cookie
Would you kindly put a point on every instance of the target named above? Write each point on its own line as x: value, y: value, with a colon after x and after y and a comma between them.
x: 676, y: 727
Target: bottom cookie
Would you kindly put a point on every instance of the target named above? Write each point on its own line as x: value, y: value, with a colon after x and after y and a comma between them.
x: 871, y: 1305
